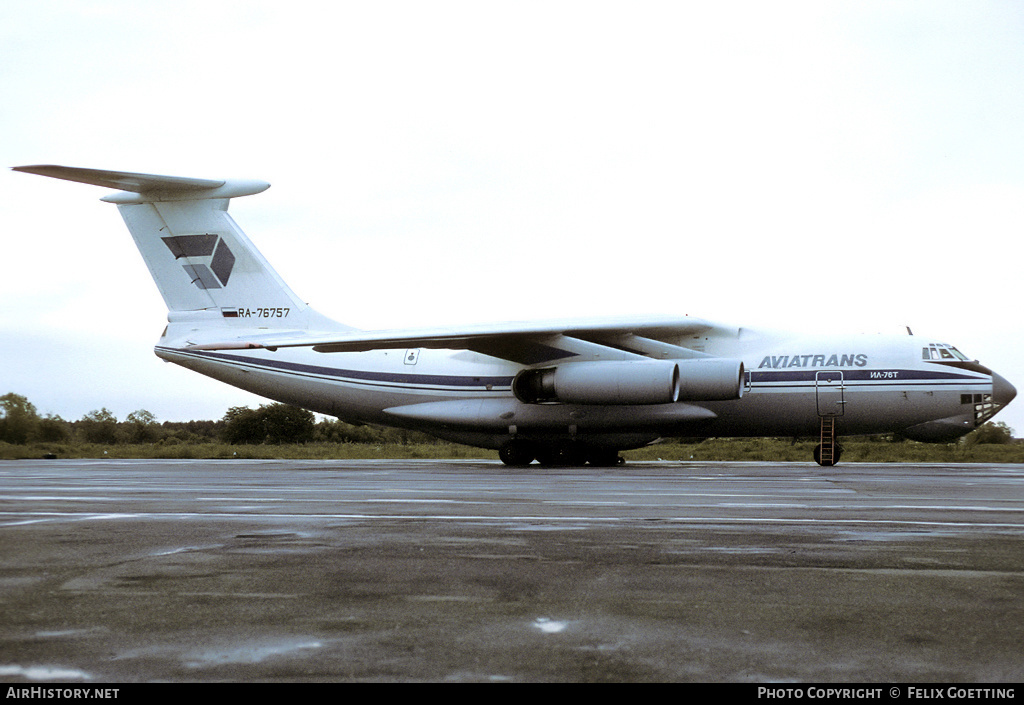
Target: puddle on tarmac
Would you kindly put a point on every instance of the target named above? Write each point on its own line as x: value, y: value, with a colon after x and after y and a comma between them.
x: 43, y: 673
x: 250, y: 653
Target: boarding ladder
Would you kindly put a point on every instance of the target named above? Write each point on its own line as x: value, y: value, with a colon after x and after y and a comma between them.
x: 828, y: 441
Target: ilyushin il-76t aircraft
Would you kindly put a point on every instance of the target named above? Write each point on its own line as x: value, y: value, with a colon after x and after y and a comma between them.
x: 556, y: 392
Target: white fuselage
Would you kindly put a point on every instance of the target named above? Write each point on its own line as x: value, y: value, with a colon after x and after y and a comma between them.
x: 869, y: 383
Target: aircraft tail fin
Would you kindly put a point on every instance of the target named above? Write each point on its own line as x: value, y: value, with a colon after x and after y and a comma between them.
x: 208, y: 272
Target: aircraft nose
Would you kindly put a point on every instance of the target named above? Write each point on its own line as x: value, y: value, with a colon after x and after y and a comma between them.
x: 1002, y: 391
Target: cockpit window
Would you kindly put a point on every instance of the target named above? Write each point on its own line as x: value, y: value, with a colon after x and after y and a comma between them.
x: 941, y: 351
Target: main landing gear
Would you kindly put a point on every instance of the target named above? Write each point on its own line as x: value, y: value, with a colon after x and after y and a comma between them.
x: 519, y: 454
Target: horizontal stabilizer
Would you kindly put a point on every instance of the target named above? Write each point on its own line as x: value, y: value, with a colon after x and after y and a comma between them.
x: 152, y: 186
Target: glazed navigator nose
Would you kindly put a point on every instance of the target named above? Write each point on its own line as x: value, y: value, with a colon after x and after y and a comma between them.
x: 1002, y: 391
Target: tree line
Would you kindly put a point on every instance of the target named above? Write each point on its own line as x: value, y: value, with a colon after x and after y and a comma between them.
x: 273, y: 424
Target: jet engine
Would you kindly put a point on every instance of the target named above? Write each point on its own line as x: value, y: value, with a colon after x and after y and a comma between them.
x: 632, y: 382
x: 710, y: 379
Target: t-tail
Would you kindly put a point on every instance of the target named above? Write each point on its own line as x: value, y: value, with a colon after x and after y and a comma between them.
x: 215, y: 283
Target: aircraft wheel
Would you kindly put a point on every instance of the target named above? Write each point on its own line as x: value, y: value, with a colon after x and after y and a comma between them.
x: 817, y: 455
x: 551, y: 457
x: 835, y: 455
x: 561, y: 456
x: 575, y: 456
x: 517, y: 454
x: 604, y: 458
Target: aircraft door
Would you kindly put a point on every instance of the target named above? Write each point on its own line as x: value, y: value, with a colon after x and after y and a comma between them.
x: 830, y: 392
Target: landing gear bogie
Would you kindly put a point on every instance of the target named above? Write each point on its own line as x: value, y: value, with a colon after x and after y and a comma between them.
x: 605, y: 458
x: 521, y: 454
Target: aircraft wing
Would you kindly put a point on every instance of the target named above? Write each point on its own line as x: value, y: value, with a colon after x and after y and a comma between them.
x: 523, y: 343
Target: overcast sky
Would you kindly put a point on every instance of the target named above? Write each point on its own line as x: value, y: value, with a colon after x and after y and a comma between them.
x: 843, y: 166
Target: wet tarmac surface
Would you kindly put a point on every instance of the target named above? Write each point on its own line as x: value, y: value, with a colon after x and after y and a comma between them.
x: 125, y: 571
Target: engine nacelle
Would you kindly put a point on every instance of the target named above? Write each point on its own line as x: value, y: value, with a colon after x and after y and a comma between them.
x: 710, y: 379
x: 632, y: 382
x: 612, y: 382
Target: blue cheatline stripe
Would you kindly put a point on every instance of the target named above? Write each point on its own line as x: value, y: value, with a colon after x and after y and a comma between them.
x: 781, y: 378
x: 342, y: 374
x: 865, y: 376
